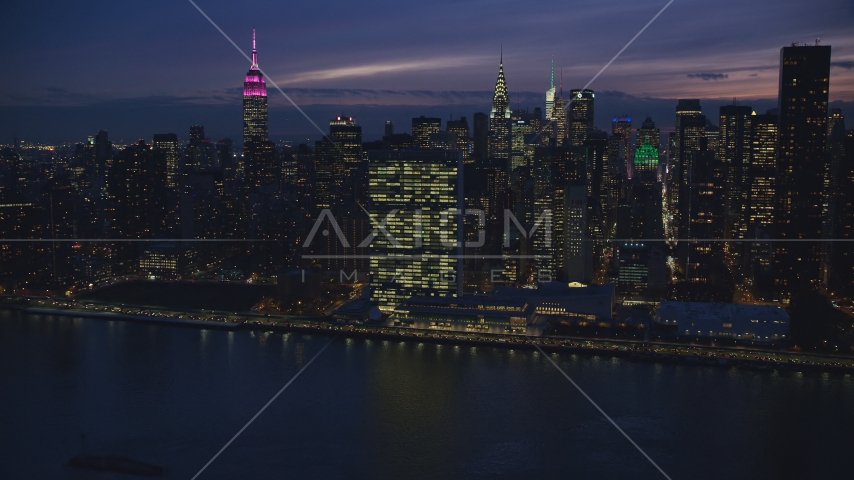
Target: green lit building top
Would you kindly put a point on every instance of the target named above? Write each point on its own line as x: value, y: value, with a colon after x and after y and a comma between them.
x: 646, y: 158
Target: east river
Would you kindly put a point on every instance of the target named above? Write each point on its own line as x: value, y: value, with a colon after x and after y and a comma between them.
x: 373, y: 409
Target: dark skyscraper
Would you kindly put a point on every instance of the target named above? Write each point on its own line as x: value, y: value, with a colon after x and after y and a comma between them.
x: 344, y: 130
x: 168, y: 142
x: 499, y: 119
x: 705, y: 211
x: 197, y: 133
x: 621, y: 141
x: 422, y: 128
x: 690, y: 127
x: 580, y: 115
x: 138, y: 191
x: 596, y: 147
x: 801, y: 164
x: 339, y: 161
x: 480, y: 136
x: 760, y: 195
x: 460, y: 128
x: 841, y: 256
x: 734, y: 148
x: 559, y: 117
x: 835, y: 196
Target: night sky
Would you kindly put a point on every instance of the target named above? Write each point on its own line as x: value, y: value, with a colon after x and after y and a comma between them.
x: 138, y: 68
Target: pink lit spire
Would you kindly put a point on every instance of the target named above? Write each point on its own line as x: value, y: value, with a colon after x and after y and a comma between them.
x: 255, y: 85
x: 254, y: 51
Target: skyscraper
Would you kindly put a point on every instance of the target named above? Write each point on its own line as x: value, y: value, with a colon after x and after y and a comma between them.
x: 801, y: 164
x: 338, y: 158
x: 168, y: 142
x: 422, y: 128
x: 580, y: 115
x: 259, y: 152
x: 834, y: 198
x: 499, y: 118
x: 519, y: 129
x: 690, y: 127
x: 480, y: 136
x: 763, y: 163
x: 550, y: 94
x: 345, y: 130
x: 601, y: 216
x: 621, y: 134
x: 254, y: 101
x: 705, y: 211
x: 648, y: 131
x: 417, y: 192
x: 841, y: 274
x: 646, y: 162
x: 460, y: 128
x: 834, y: 119
x: 734, y: 146
x: 559, y: 117
x: 577, y: 247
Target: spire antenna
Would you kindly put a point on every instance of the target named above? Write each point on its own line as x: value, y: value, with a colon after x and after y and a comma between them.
x: 552, y: 83
x: 254, y: 51
x: 502, y: 53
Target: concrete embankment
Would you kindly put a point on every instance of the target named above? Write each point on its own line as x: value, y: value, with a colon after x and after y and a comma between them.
x: 163, y: 320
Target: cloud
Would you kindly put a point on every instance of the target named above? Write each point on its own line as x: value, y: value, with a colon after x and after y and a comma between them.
x: 846, y: 64
x: 708, y: 76
x: 370, y: 69
x: 53, y: 96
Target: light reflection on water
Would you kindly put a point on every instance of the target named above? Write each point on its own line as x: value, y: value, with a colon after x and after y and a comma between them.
x: 174, y: 395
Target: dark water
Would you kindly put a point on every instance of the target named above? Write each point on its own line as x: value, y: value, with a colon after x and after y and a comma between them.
x: 174, y: 396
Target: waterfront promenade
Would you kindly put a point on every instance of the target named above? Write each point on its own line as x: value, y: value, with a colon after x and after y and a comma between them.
x: 637, y: 350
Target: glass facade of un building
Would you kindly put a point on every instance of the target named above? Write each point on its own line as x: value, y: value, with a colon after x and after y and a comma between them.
x: 416, y: 197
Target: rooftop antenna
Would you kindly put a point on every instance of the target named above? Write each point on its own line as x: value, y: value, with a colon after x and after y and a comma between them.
x: 254, y: 51
x: 552, y: 83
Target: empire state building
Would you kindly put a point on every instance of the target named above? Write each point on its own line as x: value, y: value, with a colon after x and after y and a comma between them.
x: 259, y: 152
x: 254, y: 102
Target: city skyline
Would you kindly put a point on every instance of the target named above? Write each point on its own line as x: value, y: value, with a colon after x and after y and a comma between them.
x: 463, y: 204
x: 395, y: 80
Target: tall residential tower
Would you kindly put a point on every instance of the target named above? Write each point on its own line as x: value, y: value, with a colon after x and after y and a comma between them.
x: 801, y: 164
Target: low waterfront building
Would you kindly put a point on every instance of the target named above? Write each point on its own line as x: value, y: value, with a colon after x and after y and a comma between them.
x: 756, y: 323
x: 486, y: 313
x: 360, y: 310
x: 166, y: 261
x: 511, y: 309
x: 558, y: 301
